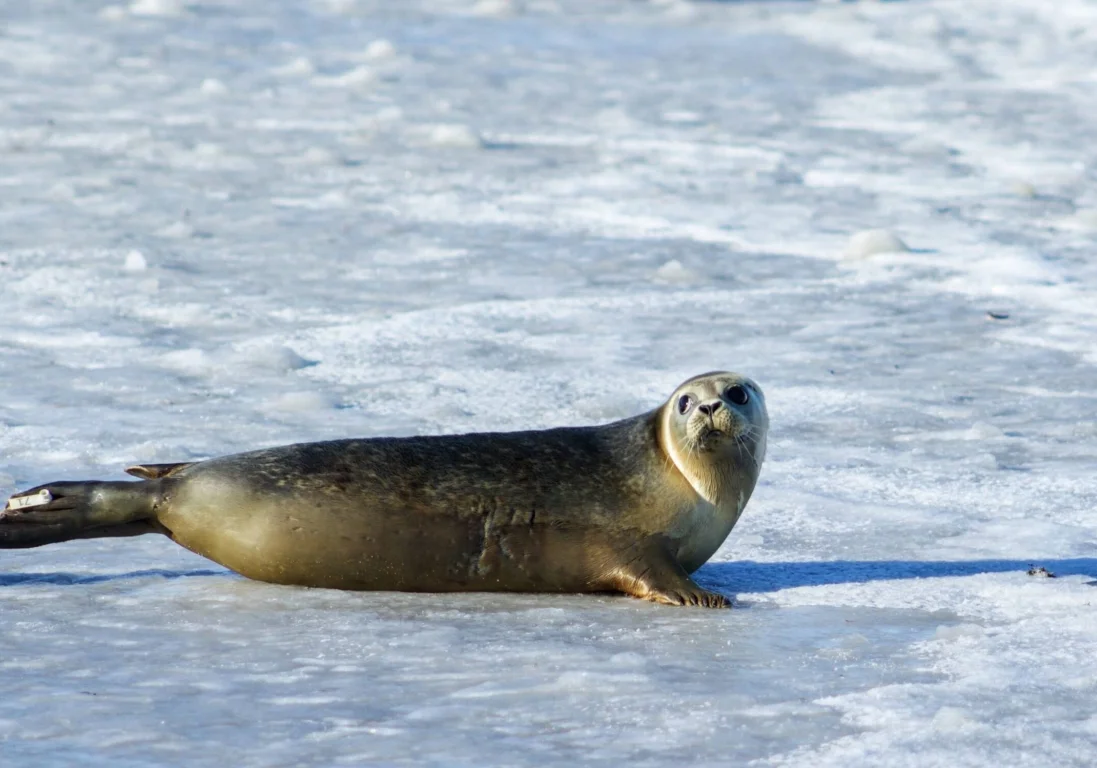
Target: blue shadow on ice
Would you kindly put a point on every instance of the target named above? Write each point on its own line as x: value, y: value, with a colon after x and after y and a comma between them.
x: 15, y: 579
x: 745, y: 576
x: 748, y: 576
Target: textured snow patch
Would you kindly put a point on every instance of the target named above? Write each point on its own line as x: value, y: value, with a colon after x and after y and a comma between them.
x: 1022, y: 189
x: 314, y: 156
x: 178, y: 230
x: 678, y: 10
x: 955, y: 720
x: 343, y: 7
x: 334, y: 199
x: 299, y: 402
x: 1084, y: 220
x: 114, y: 13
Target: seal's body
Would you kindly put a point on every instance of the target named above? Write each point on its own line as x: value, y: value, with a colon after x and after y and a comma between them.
x: 632, y: 506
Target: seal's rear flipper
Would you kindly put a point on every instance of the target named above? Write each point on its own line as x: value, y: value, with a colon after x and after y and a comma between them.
x: 156, y: 471
x: 65, y: 510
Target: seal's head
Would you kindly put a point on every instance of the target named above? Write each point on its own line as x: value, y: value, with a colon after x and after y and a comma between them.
x: 714, y: 430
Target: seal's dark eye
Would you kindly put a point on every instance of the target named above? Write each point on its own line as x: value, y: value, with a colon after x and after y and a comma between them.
x: 737, y: 394
x: 685, y: 402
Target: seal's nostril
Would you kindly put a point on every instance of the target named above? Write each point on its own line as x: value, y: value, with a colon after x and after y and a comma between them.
x: 709, y: 408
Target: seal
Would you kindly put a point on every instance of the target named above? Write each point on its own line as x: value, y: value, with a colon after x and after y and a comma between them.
x: 634, y: 506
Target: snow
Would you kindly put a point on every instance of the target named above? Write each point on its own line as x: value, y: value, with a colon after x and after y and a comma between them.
x: 230, y: 224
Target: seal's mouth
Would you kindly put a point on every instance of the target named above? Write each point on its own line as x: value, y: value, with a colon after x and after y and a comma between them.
x: 712, y: 432
x: 710, y: 437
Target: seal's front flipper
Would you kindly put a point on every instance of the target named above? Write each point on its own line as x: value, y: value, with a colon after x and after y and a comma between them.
x: 62, y: 511
x: 653, y: 574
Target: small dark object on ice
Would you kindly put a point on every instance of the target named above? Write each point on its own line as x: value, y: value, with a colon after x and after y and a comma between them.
x: 1041, y: 571
x: 997, y: 314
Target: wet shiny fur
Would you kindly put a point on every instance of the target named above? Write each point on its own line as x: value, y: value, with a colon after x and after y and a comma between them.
x: 633, y: 506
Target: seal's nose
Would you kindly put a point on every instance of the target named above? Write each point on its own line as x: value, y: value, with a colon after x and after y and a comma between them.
x: 709, y: 408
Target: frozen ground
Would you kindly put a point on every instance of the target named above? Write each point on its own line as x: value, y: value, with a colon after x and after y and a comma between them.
x: 238, y: 223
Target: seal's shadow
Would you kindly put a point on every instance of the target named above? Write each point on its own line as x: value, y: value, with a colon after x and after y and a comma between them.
x: 747, y: 576
x: 16, y: 579
x: 742, y: 577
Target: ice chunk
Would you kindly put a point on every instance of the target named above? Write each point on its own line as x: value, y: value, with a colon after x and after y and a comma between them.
x: 674, y: 272
x: 380, y: 49
x: 448, y: 135
x: 213, y: 87
x: 871, y: 242
x: 494, y: 8
x: 135, y: 262
x: 157, y: 8
x: 299, y: 67
x: 357, y: 78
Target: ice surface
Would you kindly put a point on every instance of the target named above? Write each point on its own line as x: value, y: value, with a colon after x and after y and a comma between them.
x: 231, y: 224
